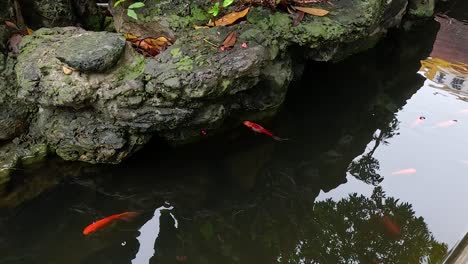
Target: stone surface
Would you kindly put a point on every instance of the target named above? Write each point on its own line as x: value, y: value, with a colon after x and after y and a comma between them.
x: 91, y: 52
x: 421, y: 8
x: 14, y: 115
x: 48, y: 13
x: 115, y: 100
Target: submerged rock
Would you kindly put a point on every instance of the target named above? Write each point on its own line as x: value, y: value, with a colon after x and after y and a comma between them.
x: 88, y: 96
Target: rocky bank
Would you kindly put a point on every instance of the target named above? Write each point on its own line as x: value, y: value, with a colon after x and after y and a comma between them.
x: 114, y: 100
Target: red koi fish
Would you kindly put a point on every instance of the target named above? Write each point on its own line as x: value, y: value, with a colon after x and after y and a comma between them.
x: 446, y: 123
x: 391, y: 226
x: 404, y: 172
x: 418, y: 121
x: 259, y: 129
x: 127, y: 216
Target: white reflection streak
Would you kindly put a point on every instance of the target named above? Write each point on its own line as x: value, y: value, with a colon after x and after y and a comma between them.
x: 149, y: 232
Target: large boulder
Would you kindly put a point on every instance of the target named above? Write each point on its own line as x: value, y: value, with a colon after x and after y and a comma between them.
x: 97, y: 116
x: 95, y: 99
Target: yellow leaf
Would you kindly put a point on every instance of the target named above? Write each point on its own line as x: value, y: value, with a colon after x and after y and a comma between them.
x: 230, y: 18
x: 161, y: 41
x: 30, y: 31
x: 312, y: 11
x: 200, y: 27
x: 67, y: 70
x: 130, y: 37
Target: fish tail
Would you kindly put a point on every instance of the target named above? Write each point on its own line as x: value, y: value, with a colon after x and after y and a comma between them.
x: 128, y: 216
x: 279, y: 139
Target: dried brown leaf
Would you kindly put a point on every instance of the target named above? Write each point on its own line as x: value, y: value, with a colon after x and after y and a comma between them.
x: 230, y: 40
x: 229, y: 19
x: 14, y: 43
x: 11, y: 24
x: 297, y: 18
x: 312, y: 11
x: 149, y: 47
x: 29, y: 31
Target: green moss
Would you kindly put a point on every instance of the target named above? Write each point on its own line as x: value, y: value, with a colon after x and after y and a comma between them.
x: 185, y: 64
x: 225, y: 84
x: 133, y: 70
x: 94, y: 23
x: 198, y: 16
x: 344, y: 24
x: 109, y: 24
x: 175, y: 52
x: 421, y: 9
x: 37, y: 154
x: 7, y: 165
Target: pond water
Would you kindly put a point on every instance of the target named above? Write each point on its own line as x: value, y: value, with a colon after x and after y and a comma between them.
x: 375, y: 171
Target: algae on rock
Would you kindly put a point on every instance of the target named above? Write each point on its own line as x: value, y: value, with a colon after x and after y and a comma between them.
x: 115, y: 100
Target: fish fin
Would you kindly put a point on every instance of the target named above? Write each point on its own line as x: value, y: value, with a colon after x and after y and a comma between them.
x: 280, y: 139
x: 128, y: 216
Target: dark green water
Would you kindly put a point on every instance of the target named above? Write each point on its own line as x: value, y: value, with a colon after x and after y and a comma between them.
x: 321, y: 197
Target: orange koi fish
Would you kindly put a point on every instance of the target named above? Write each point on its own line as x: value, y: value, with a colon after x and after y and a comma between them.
x: 391, y: 226
x: 259, y: 129
x: 446, y: 123
x: 127, y: 216
x: 404, y: 172
x: 418, y: 121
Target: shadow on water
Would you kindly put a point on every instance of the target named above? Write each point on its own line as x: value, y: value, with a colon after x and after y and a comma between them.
x: 244, y: 198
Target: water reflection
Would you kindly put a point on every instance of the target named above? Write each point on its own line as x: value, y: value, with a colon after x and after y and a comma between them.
x: 149, y: 233
x: 246, y: 199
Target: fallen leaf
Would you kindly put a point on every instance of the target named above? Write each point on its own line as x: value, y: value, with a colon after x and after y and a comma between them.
x: 229, y: 19
x: 230, y: 40
x: 11, y: 24
x: 67, y: 70
x: 149, y: 47
x: 130, y: 37
x: 160, y: 42
x: 14, y: 43
x: 29, y: 31
x: 312, y: 11
x: 297, y: 18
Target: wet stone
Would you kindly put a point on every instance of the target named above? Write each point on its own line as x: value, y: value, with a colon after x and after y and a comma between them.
x: 92, y: 51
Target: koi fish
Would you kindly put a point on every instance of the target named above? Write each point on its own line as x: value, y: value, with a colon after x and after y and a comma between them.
x: 418, y: 121
x: 446, y: 123
x: 259, y: 129
x: 464, y: 162
x: 464, y: 111
x: 404, y: 172
x: 127, y: 216
x: 391, y: 226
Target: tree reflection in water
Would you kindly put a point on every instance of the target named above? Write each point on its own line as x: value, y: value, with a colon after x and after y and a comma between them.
x: 287, y: 227
x: 352, y: 231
